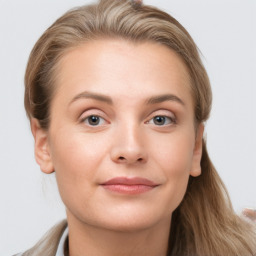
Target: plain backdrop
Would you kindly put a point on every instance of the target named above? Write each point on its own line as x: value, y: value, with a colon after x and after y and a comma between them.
x: 224, y: 30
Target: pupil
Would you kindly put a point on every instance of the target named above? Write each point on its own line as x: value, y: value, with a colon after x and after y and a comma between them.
x: 159, y: 120
x: 94, y: 120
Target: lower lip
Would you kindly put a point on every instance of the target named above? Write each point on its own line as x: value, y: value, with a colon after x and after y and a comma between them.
x: 128, y: 189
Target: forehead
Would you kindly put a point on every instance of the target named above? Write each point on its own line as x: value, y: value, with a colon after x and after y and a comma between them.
x: 123, y: 68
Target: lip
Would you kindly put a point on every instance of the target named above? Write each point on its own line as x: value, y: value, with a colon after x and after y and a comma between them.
x: 125, y: 185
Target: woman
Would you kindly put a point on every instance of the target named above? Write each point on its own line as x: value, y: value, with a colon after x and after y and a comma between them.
x: 117, y: 98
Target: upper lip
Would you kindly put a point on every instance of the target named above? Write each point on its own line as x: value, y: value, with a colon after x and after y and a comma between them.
x: 130, y: 181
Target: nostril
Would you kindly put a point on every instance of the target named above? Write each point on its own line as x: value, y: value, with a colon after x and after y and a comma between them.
x: 122, y: 159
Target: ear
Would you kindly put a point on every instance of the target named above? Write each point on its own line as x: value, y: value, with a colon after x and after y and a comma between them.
x: 197, y: 154
x: 42, y: 152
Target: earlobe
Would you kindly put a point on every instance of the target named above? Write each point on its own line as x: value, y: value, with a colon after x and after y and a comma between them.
x: 197, y: 154
x: 41, y: 148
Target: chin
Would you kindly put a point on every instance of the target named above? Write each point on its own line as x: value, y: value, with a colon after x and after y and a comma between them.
x: 131, y: 221
x: 125, y: 225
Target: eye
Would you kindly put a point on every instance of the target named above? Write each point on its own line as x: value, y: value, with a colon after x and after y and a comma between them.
x: 161, y: 120
x: 94, y: 120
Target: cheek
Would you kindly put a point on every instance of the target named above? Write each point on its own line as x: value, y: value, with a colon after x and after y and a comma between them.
x: 76, y: 152
x: 76, y: 159
x: 175, y: 153
x: 174, y: 159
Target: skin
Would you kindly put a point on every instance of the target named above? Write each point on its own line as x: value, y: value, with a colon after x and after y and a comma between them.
x: 127, y: 142
x: 250, y: 213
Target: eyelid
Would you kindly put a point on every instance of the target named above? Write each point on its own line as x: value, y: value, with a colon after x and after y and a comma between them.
x: 91, y: 112
x: 162, y: 112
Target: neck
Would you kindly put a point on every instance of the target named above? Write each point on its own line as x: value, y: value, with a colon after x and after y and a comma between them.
x: 89, y: 240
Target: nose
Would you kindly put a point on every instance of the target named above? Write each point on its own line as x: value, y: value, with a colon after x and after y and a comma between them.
x: 128, y: 147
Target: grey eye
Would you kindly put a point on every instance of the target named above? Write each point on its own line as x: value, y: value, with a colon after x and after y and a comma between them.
x: 161, y: 120
x: 93, y: 120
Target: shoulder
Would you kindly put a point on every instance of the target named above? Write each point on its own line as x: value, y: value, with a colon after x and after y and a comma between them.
x: 48, y: 244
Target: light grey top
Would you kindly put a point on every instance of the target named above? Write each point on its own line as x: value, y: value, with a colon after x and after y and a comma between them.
x: 52, y: 243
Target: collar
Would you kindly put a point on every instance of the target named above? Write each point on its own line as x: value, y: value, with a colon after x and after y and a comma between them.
x: 61, y: 246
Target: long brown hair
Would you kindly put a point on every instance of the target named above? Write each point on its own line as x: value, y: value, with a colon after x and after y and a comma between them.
x: 204, y: 223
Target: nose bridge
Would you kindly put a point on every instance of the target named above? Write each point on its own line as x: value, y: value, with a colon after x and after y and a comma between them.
x: 128, y: 145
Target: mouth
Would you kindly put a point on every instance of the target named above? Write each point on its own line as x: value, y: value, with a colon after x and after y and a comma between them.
x: 129, y: 186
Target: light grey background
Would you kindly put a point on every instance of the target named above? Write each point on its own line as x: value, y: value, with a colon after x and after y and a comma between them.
x: 225, y: 31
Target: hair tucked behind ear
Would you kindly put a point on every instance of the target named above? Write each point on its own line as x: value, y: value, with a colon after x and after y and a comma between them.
x: 205, y: 223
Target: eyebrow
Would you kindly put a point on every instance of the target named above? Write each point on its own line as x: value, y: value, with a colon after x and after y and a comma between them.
x: 151, y: 101
x: 164, y: 97
x: 95, y: 96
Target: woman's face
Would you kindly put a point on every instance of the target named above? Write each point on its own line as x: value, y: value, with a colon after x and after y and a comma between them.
x: 122, y: 139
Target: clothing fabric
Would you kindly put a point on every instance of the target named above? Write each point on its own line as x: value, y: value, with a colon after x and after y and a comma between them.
x: 61, y: 246
x: 52, y: 244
